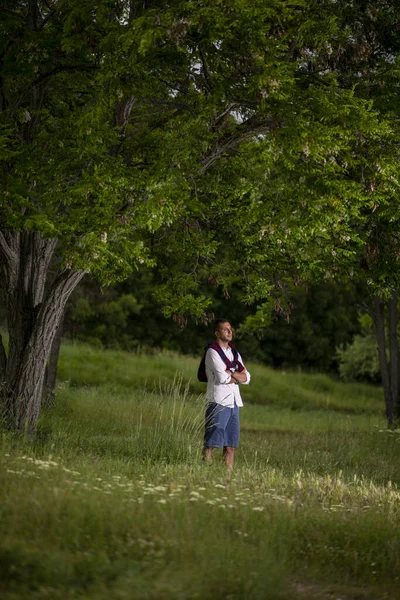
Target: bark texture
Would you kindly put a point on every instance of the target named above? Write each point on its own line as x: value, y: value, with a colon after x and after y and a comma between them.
x: 35, y: 308
x: 388, y: 354
x: 51, y: 369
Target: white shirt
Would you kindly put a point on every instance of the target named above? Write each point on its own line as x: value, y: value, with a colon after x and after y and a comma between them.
x: 218, y: 388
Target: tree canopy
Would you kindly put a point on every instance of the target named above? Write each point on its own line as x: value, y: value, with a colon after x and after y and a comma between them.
x: 223, y: 141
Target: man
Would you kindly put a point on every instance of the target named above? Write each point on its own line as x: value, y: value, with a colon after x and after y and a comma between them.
x: 224, y: 375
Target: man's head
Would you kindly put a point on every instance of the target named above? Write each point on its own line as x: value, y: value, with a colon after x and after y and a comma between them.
x: 223, y: 331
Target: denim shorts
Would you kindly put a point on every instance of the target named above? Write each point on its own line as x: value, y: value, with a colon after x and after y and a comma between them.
x: 222, y: 426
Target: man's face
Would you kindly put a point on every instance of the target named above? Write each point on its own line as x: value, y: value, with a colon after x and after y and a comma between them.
x: 224, y: 333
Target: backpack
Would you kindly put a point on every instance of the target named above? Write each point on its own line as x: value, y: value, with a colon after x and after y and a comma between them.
x: 201, y: 372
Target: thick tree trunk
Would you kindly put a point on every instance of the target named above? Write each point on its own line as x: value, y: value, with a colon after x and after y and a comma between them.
x: 379, y: 318
x: 51, y: 369
x: 33, y: 316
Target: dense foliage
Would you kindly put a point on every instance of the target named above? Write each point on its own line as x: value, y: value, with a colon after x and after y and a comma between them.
x: 243, y: 144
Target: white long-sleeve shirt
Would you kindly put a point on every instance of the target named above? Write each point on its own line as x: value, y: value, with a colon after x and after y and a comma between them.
x: 219, y: 389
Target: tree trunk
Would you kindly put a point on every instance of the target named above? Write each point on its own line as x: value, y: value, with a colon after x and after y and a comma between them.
x: 379, y: 318
x: 3, y: 360
x: 50, y: 378
x: 33, y: 316
x: 393, y: 318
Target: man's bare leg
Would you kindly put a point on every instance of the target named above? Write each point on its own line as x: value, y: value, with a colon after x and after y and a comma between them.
x: 207, y: 454
x: 229, y: 456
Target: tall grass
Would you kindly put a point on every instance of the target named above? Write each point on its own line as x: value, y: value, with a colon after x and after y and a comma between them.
x: 113, y: 501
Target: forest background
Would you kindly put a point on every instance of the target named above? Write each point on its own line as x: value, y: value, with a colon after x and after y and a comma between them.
x: 325, y: 328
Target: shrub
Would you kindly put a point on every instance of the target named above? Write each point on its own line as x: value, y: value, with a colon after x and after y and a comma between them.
x: 360, y: 359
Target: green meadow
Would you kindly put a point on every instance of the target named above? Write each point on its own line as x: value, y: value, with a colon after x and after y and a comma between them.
x: 112, y: 500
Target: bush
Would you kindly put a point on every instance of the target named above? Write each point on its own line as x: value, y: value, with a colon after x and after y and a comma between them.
x: 360, y: 359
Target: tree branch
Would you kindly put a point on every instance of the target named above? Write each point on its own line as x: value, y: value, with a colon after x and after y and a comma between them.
x: 45, y: 76
x: 41, y: 251
x: 207, y: 78
x: 63, y: 285
x: 246, y: 130
x: 220, y: 119
x: 8, y: 254
x: 34, y: 14
x: 47, y: 18
x: 52, y: 308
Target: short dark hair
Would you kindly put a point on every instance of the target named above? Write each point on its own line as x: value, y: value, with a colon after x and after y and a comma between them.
x: 217, y: 323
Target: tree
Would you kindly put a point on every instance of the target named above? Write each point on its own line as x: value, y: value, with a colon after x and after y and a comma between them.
x: 136, y: 132
x: 358, y: 191
x: 373, y: 68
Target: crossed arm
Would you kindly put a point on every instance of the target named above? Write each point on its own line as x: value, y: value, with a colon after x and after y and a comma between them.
x: 221, y: 374
x: 237, y: 377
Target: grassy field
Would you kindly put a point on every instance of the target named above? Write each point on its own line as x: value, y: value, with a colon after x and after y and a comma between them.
x: 113, y: 501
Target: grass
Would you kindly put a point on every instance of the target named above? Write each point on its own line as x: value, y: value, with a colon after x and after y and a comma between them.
x: 113, y: 501
x: 298, y: 391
